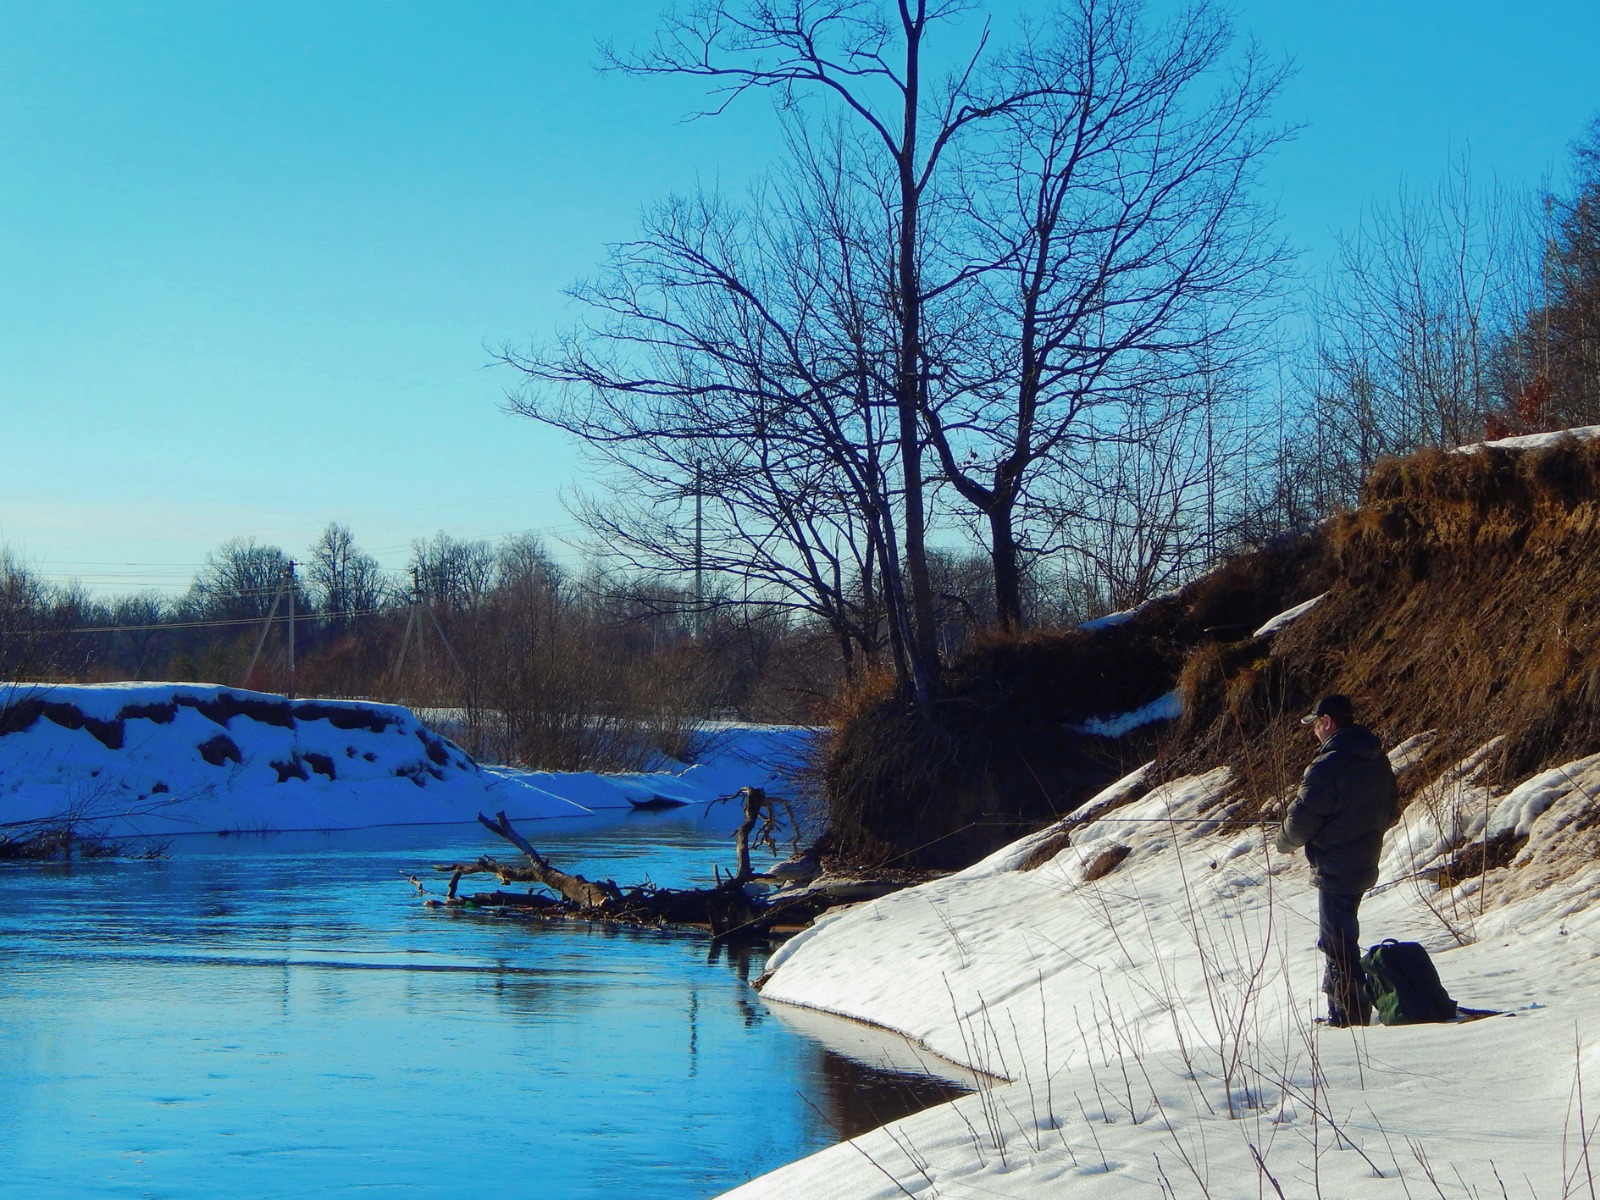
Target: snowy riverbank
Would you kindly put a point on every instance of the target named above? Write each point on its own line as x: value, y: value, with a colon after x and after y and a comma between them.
x: 161, y: 759
x: 1149, y: 1033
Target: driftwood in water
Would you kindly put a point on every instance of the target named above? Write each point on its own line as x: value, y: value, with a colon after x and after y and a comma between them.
x: 728, y: 910
x: 719, y: 908
x: 582, y: 892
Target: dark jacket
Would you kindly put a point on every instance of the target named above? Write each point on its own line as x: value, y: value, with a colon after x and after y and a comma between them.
x: 1347, y: 801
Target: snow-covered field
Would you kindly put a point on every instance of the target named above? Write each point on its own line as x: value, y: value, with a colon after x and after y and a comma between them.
x: 1151, y: 1033
x: 159, y: 759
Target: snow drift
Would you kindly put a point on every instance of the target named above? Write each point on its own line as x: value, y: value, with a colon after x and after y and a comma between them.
x: 158, y: 759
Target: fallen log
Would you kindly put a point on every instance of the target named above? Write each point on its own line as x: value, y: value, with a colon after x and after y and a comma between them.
x: 576, y: 888
x: 502, y: 899
x: 729, y: 910
x: 725, y: 905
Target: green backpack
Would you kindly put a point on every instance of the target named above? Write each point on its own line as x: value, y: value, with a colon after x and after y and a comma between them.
x: 1404, y: 987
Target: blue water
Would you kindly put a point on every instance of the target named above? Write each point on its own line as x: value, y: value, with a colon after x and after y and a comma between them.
x: 282, y: 1017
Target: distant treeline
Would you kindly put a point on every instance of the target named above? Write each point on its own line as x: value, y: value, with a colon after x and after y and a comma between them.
x: 535, y: 662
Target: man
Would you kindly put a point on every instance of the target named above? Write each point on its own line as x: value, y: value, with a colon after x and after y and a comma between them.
x: 1346, y: 803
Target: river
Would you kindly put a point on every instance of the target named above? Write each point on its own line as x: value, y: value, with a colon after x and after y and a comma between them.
x: 281, y: 1016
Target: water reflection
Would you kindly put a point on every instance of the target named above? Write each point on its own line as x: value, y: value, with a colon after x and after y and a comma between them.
x: 273, y: 1017
x: 858, y: 1097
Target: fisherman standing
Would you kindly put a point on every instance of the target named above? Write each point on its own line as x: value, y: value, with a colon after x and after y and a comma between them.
x: 1347, y: 801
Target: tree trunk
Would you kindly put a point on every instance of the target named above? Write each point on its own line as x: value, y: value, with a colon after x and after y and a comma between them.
x: 1003, y: 553
x: 923, y: 652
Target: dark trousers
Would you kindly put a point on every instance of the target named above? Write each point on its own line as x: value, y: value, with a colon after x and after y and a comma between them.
x: 1338, y: 933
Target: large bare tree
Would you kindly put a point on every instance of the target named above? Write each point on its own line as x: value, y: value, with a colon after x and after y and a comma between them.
x: 870, y: 62
x: 963, y: 257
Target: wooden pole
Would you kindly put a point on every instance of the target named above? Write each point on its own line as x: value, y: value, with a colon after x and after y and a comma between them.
x: 289, y: 578
x: 262, y: 640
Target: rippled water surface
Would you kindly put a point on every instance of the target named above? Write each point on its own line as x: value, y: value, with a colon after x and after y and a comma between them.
x: 280, y: 1016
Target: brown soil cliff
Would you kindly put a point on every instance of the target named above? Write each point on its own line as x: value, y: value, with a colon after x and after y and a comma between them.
x: 1461, y: 597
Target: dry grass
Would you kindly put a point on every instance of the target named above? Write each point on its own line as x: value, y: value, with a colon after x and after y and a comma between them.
x: 937, y: 786
x: 1463, y: 603
x: 1480, y: 857
x: 1459, y: 597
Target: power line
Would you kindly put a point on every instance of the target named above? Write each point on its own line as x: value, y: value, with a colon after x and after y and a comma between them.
x: 210, y: 623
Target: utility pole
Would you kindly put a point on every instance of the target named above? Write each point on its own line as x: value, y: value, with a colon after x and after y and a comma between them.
x: 284, y: 580
x: 699, y: 542
x: 411, y: 624
x: 288, y: 576
x: 414, y: 630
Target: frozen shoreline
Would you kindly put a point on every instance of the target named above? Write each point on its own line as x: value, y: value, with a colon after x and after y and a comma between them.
x: 1154, y: 1026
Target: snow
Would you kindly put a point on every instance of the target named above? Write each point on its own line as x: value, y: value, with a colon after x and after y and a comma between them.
x: 1111, y: 619
x: 1147, y: 1032
x: 1126, y: 615
x: 1162, y: 708
x: 1285, y: 617
x: 1534, y: 441
x: 1150, y: 1033
x: 136, y: 764
x: 1529, y: 801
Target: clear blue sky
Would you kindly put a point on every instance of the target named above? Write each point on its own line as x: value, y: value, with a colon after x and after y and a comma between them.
x: 252, y: 251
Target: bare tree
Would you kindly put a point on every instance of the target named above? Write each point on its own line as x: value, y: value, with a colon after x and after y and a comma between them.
x: 548, y: 679
x: 454, y: 573
x: 733, y: 381
x: 869, y: 62
x: 1130, y: 257
x: 1410, y: 322
x: 22, y: 604
x: 238, y: 581
x: 139, y: 618
x: 1550, y: 368
x: 1153, y: 501
x: 347, y: 580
